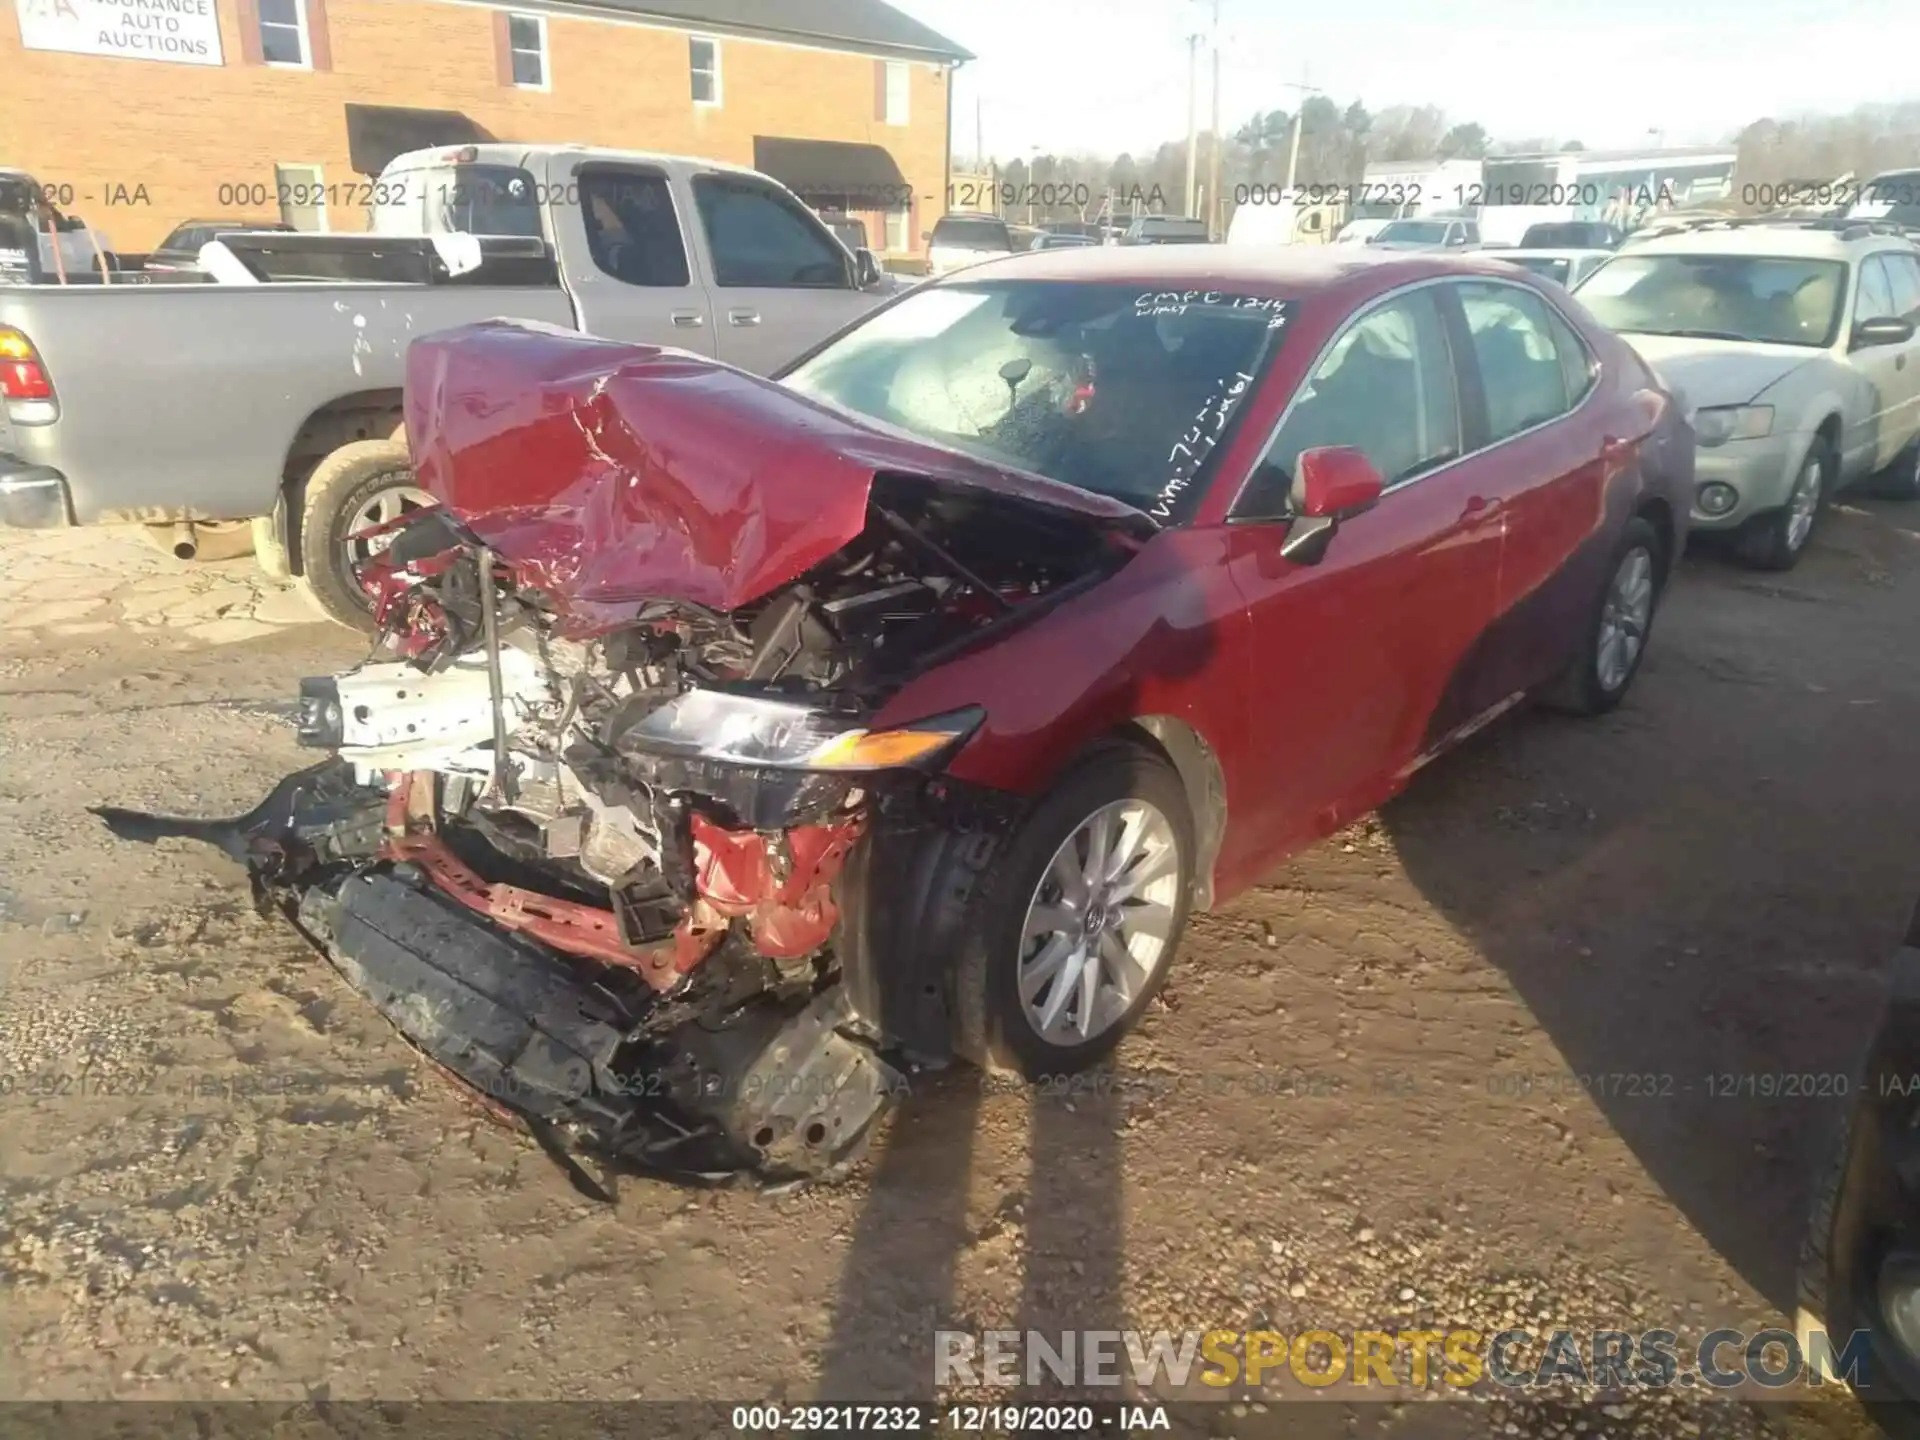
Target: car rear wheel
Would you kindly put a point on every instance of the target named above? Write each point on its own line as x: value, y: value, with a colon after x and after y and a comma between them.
x: 1902, y: 480
x: 1777, y: 541
x: 1618, y: 626
x: 1087, y: 909
x: 362, y: 484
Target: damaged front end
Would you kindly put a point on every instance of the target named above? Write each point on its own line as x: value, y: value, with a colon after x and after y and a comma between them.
x: 591, y: 807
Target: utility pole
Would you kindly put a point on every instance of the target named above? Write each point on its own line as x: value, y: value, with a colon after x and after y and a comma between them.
x: 1213, y: 157
x: 1193, y: 116
x: 1299, y: 123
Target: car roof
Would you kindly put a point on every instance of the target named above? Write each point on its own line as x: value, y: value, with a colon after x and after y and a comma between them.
x: 505, y: 153
x: 1290, y: 271
x: 1554, y: 252
x: 1784, y: 241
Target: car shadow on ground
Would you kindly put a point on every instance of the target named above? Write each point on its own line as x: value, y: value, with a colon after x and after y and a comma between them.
x: 1696, y: 895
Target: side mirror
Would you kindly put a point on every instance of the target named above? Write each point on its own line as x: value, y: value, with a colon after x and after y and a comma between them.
x: 1881, y: 330
x: 866, y: 268
x: 1331, y: 484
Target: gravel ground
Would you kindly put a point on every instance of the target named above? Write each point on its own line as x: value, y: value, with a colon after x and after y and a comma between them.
x: 221, y: 1176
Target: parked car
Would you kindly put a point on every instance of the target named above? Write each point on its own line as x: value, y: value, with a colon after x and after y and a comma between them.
x: 848, y: 231
x: 906, y: 706
x: 179, y: 253
x: 1360, y: 232
x: 304, y: 379
x: 1857, y: 1308
x: 1797, y: 346
x: 1427, y: 234
x: 1563, y: 267
x: 1572, y: 235
x: 1893, y: 197
x: 66, y: 247
x: 1053, y: 240
x: 1166, y: 230
x: 965, y: 237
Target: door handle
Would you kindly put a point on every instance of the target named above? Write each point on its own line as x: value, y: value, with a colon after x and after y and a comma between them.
x: 689, y: 319
x: 1899, y: 362
x: 743, y: 317
x: 1479, y: 507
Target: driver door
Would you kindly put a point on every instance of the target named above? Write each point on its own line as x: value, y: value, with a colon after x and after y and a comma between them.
x: 780, y: 282
x: 1356, y: 658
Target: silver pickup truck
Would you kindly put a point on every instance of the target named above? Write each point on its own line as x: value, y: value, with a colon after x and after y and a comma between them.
x: 265, y: 404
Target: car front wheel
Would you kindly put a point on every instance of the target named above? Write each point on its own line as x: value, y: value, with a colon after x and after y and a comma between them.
x: 1777, y: 541
x: 1081, y: 925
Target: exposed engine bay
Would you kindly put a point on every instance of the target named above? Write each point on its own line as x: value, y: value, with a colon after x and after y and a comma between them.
x: 598, y: 875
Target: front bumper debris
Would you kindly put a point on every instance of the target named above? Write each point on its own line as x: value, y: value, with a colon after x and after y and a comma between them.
x: 737, y: 1073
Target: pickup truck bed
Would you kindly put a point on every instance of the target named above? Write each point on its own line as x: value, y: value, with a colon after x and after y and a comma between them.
x: 221, y: 402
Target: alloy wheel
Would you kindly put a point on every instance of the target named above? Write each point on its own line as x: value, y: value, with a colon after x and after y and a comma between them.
x: 1624, y: 618
x: 383, y: 505
x: 1097, y: 927
x: 1804, y: 503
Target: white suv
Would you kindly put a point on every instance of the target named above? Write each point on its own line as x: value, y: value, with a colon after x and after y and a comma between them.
x: 1796, y: 345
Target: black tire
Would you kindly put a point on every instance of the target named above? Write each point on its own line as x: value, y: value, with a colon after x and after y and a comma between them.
x: 1901, y: 480
x: 1766, y: 543
x: 338, y: 487
x: 1580, y: 689
x: 994, y: 1031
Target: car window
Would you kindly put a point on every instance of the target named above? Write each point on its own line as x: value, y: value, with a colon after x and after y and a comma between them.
x: 1386, y: 387
x: 1116, y: 390
x: 759, y: 237
x: 1520, y: 364
x: 181, y: 237
x: 632, y: 233
x: 1774, y: 299
x: 1577, y: 366
x: 1471, y: 231
x: 1903, y: 275
x: 1874, y: 299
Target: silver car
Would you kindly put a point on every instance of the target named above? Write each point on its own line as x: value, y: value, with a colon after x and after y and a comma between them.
x: 1563, y: 267
x: 1795, y: 345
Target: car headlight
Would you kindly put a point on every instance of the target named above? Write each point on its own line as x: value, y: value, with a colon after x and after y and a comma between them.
x: 1718, y: 424
x: 752, y: 730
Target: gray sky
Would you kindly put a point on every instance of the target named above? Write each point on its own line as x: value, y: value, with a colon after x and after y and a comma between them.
x: 1111, y: 75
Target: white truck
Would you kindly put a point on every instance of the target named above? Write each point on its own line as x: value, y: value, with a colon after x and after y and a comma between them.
x: 266, y: 404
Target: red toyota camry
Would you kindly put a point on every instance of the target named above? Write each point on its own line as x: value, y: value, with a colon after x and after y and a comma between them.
x: 742, y: 745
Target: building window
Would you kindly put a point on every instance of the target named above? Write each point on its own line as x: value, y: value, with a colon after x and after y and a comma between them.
x: 899, y: 223
x: 897, y: 76
x: 283, y: 33
x: 704, y: 55
x: 527, y: 44
x: 303, y: 196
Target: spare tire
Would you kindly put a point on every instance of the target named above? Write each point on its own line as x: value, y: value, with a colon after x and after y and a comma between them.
x: 365, y: 482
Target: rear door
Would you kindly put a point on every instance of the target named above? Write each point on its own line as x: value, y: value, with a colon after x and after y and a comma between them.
x: 1353, y: 656
x: 780, y: 282
x: 1545, y: 449
x: 623, y: 249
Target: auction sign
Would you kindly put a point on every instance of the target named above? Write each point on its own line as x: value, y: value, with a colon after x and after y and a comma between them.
x: 186, y: 32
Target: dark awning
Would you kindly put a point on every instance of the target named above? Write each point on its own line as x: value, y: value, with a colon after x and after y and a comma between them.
x: 377, y: 133
x: 833, y: 174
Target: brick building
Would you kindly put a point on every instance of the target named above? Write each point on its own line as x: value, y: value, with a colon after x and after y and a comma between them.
x: 139, y: 114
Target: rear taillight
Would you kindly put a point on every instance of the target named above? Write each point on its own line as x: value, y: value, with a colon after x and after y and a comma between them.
x: 24, y: 383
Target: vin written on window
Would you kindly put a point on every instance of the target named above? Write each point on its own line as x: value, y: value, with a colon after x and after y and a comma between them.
x: 1197, y: 441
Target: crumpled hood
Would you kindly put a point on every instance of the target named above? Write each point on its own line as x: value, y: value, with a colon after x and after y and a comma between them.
x: 609, y: 473
x: 1718, y: 372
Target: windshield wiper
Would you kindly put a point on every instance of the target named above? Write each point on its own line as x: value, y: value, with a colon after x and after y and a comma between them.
x: 1702, y: 335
